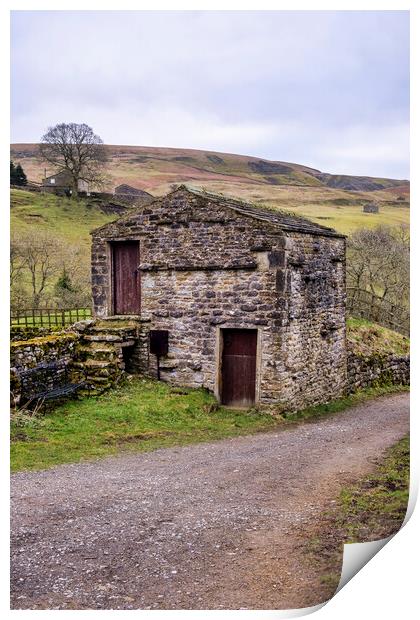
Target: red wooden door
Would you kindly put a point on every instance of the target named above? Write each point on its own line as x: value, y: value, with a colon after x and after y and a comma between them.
x: 125, y: 260
x: 239, y: 367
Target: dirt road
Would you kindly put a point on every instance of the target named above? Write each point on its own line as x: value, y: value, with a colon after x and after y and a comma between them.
x: 210, y: 526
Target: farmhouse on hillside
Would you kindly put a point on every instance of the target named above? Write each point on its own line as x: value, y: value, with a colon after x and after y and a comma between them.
x: 244, y: 301
x: 61, y: 183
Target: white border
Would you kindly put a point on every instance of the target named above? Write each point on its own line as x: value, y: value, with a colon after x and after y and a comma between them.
x: 387, y: 586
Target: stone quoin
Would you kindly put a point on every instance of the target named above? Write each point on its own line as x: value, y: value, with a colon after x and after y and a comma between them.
x: 251, y: 301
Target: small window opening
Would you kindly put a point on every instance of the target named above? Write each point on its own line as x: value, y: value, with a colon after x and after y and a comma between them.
x: 159, y: 345
x: 127, y: 353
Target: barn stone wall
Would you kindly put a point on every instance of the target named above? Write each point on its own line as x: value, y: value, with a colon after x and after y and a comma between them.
x: 204, y: 267
x: 93, y: 352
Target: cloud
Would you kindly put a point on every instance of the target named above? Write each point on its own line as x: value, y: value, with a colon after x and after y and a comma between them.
x: 299, y: 86
x: 384, y: 151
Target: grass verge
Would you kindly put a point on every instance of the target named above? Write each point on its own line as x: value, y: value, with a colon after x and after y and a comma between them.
x: 372, y: 509
x: 142, y: 415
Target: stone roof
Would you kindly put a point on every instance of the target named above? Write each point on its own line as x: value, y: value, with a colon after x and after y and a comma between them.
x: 131, y: 191
x: 283, y: 219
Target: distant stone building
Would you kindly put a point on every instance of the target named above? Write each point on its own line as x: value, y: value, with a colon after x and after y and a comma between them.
x: 131, y: 195
x: 246, y: 302
x: 371, y: 208
x: 61, y: 183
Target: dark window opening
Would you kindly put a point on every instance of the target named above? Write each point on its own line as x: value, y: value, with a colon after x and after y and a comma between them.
x: 159, y: 342
x: 127, y: 353
x: 158, y: 346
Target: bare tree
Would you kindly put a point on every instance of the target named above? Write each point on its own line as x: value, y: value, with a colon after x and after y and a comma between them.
x: 16, y: 261
x: 77, y: 150
x: 38, y: 253
x: 72, y: 289
x: 379, y: 261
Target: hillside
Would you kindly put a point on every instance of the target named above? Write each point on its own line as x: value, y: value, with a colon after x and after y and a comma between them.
x: 68, y: 219
x: 334, y: 200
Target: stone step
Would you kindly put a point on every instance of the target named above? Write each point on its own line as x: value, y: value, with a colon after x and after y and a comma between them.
x: 129, y: 342
x: 94, y: 364
x: 104, y: 337
x: 93, y: 348
x: 113, y: 329
x: 132, y: 319
x: 100, y: 380
x: 87, y: 353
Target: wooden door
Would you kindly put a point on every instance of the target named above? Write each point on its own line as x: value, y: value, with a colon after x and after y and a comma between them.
x: 126, y: 277
x: 239, y: 355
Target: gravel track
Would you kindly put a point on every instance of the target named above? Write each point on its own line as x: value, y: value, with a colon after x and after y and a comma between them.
x: 209, y: 526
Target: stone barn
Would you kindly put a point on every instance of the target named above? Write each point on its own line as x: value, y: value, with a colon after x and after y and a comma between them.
x: 371, y: 207
x: 244, y: 301
x: 132, y: 195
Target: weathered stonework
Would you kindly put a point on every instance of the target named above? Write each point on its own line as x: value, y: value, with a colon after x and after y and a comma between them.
x: 39, y: 364
x: 90, y: 354
x: 209, y: 263
x: 101, y: 359
x: 376, y: 370
x: 22, y: 332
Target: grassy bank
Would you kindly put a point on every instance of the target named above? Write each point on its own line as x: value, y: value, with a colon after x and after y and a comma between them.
x: 141, y: 415
x: 372, y: 509
x: 367, y: 338
x: 335, y: 406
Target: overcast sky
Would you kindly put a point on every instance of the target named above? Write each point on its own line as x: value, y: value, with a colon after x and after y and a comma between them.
x: 325, y: 89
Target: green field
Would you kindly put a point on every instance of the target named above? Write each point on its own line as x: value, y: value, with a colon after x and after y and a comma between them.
x: 348, y: 219
x: 50, y: 318
x: 139, y: 415
x: 70, y: 220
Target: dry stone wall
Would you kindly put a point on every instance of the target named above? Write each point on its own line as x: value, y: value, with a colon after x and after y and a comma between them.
x: 22, y: 332
x: 376, y: 370
x: 40, y: 364
x: 91, y: 356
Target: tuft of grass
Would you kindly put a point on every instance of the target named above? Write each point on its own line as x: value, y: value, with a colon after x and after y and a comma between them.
x: 376, y: 507
x: 141, y: 415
